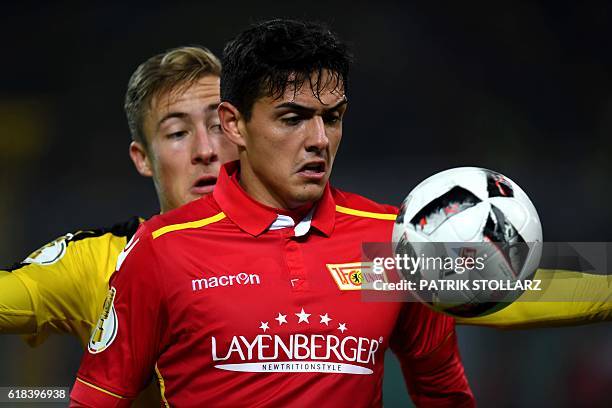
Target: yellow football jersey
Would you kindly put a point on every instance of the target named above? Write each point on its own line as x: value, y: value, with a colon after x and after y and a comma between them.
x: 61, y: 287
x: 566, y: 298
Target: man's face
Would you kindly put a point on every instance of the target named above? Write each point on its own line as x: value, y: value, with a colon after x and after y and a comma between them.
x: 290, y: 144
x: 186, y: 146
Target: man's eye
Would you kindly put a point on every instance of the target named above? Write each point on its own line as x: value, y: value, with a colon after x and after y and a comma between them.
x: 215, y: 128
x: 177, y: 135
x: 291, y: 120
x: 332, y: 119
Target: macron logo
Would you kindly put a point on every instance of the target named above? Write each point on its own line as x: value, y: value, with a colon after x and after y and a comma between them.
x: 225, y: 280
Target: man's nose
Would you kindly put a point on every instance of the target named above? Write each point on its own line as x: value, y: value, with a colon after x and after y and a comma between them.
x: 317, y: 136
x: 203, y: 150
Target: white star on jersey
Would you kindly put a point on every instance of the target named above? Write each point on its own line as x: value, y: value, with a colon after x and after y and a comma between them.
x: 303, y: 316
x: 325, y: 319
x: 342, y: 327
x: 281, y: 319
x: 264, y: 326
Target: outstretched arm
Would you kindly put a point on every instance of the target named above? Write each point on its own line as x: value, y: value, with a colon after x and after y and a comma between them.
x: 16, y: 307
x: 568, y: 298
x: 60, y: 287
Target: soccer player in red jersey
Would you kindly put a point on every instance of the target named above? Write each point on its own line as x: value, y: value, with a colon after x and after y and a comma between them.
x: 231, y: 298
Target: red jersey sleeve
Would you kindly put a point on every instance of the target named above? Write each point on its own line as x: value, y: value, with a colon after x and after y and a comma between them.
x: 126, y: 342
x: 426, y: 346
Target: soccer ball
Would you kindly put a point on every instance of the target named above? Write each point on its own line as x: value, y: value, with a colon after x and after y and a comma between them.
x: 474, y: 238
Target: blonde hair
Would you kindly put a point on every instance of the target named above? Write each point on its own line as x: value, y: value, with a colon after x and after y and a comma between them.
x: 173, y: 70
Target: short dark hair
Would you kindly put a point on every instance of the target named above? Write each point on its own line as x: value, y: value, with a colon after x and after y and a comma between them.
x: 269, y: 57
x: 176, y: 69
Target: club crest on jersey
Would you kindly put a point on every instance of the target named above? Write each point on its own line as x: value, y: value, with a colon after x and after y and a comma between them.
x: 106, y: 328
x: 354, y: 276
x: 50, y: 253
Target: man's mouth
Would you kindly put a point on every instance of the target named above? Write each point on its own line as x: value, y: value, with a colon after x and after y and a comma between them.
x: 313, y: 170
x: 204, y: 185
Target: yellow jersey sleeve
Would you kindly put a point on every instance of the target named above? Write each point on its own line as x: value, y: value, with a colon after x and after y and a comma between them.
x: 66, y: 282
x: 567, y: 298
x: 16, y: 309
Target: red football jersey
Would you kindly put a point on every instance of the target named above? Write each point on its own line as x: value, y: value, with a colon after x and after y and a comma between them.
x: 232, y: 304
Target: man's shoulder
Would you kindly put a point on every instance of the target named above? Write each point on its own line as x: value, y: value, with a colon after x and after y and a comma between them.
x: 196, y: 214
x: 94, y: 244
x: 352, y: 204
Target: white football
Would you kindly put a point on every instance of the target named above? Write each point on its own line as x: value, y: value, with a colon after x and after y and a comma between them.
x: 461, y: 214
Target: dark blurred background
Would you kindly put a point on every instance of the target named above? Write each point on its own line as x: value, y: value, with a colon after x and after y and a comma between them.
x: 524, y: 89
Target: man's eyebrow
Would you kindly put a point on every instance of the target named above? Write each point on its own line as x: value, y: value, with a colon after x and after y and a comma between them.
x: 171, y: 115
x: 297, y: 106
x: 181, y: 115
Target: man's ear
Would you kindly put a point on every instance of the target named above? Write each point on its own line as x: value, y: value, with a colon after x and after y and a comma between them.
x: 140, y: 157
x: 232, y: 123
